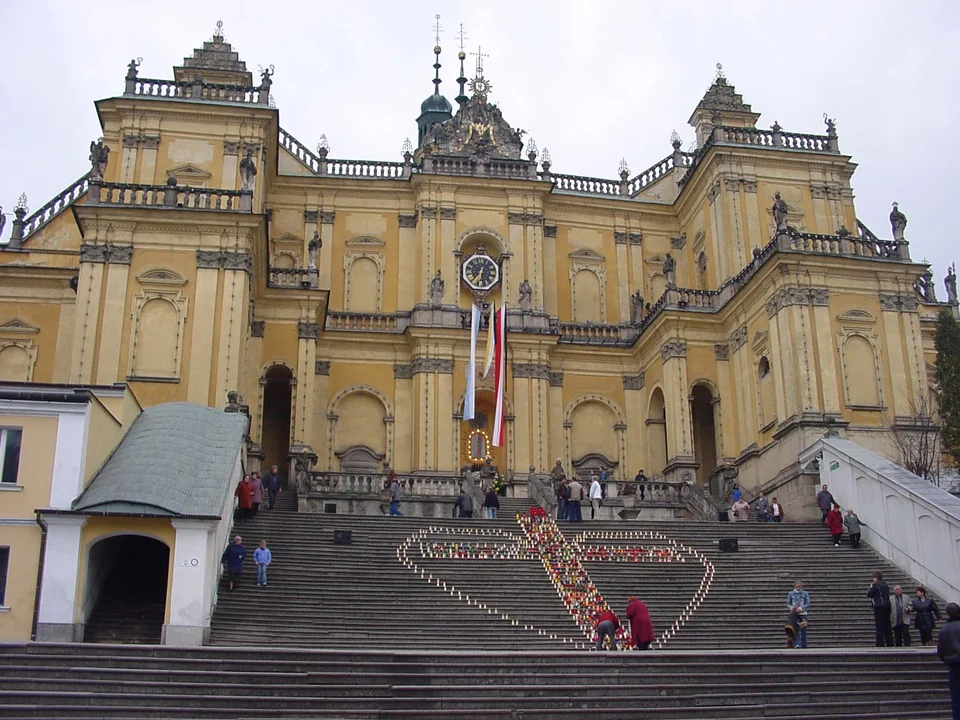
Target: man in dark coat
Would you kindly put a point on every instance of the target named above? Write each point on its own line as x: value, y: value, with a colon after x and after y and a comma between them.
x: 233, y: 558
x: 641, y: 627
x: 879, y: 594
x: 271, y: 483
x: 825, y: 503
x: 948, y: 650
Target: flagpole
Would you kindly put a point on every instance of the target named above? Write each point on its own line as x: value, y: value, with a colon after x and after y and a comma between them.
x: 470, y: 397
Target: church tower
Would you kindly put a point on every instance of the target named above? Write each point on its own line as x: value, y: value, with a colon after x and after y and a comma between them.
x: 436, y: 108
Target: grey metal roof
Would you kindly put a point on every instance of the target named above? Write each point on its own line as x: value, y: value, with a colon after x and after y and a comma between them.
x: 176, y: 460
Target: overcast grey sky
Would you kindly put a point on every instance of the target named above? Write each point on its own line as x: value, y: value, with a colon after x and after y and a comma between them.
x: 593, y: 81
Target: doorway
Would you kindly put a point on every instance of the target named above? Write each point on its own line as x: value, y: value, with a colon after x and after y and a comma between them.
x: 125, y: 593
x: 277, y: 401
x: 704, y: 432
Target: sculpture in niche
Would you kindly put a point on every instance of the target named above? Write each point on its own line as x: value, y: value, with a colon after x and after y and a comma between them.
x: 780, y: 212
x: 925, y: 287
x: 99, y: 153
x: 313, y: 248
x: 526, y: 295
x: 670, y: 271
x: 248, y: 169
x: 951, y: 283
x: 636, y: 307
x: 436, y: 289
x: 898, y: 222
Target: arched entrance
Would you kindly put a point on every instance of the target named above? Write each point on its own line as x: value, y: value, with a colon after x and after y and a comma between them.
x: 476, y: 436
x: 704, y: 432
x: 657, y: 432
x: 125, y: 593
x: 277, y: 400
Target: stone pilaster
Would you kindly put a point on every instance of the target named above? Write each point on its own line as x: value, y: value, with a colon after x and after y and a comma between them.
x: 203, y: 338
x: 829, y: 385
x: 231, y: 164
x: 233, y: 307
x: 303, y: 413
x: 535, y: 267
x: 128, y: 157
x: 448, y: 261
x: 623, y: 278
x: 407, y: 264
x: 428, y: 262
x: 550, y: 274
x: 148, y: 160
x: 718, y: 245
x: 327, y: 218
x: 405, y: 411
x: 636, y: 398
x: 673, y: 354
x: 114, y: 313
x: 555, y: 409
x: 754, y: 228
x: 87, y: 318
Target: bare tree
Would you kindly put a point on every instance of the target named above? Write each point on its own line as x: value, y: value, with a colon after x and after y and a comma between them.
x: 917, y: 438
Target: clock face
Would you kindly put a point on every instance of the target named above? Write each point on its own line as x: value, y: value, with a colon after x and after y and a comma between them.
x: 481, y: 272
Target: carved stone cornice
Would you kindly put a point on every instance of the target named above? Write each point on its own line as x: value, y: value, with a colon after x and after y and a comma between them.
x: 444, y: 366
x: 550, y: 231
x: 750, y: 186
x: 515, y: 218
x: 428, y: 213
x: 402, y: 372
x: 150, y: 142
x: 899, y: 303
x: 308, y: 330
x: 797, y: 295
x: 327, y: 217
x: 738, y: 338
x: 448, y: 213
x: 620, y: 238
x: 311, y: 216
x: 556, y: 378
x: 635, y: 238
x: 533, y: 219
x: 721, y: 351
x: 256, y: 328
x: 116, y: 254
x: 407, y: 220
x: 531, y: 370
x: 231, y: 147
x: 634, y: 382
x: 321, y: 367
x: 673, y: 349
x: 228, y: 260
x: 678, y: 243
x: 131, y: 141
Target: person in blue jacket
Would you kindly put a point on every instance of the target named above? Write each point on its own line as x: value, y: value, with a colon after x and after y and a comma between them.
x: 262, y: 557
x: 233, y: 558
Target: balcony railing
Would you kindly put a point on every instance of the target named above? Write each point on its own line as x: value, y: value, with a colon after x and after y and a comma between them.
x: 294, y: 278
x: 580, y: 333
x: 197, y: 90
x: 169, y: 196
x: 61, y: 202
x: 367, y: 322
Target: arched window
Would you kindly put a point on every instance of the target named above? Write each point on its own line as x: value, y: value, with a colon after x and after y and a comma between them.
x: 860, y: 372
x: 586, y: 300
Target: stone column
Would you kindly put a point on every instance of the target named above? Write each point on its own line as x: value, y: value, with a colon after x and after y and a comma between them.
x: 718, y: 246
x: 302, y: 420
x: 428, y: 265
x: 550, y: 276
x: 407, y: 262
x: 233, y: 314
x: 148, y: 160
x: 673, y: 354
x: 635, y: 399
x: 555, y: 399
x: 433, y: 376
x: 114, y: 313
x: 252, y: 388
x: 202, y: 340
x: 189, y: 611
x: 737, y: 228
x: 638, y: 277
x: 754, y: 234
x: 534, y: 269
x: 821, y: 210
x: 326, y: 252
x: 128, y: 157
x: 623, y: 278
x: 57, y: 615
x: 404, y: 411
x: 318, y: 437
x: 783, y: 365
x: 65, y: 326
x: 89, y: 288
x: 829, y: 386
x: 448, y: 261
x: 231, y: 164
x: 521, y: 407
x: 744, y: 379
x: 446, y: 450
x: 725, y: 407
x: 310, y: 222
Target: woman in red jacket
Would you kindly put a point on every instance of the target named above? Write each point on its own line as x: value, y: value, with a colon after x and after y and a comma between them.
x: 641, y: 627
x: 244, y: 498
x: 835, y: 524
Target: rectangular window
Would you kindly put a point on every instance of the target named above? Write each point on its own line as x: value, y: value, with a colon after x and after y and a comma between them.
x: 10, y: 454
x: 4, y: 561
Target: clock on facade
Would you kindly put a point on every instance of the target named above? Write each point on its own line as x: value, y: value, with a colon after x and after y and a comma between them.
x: 480, y: 272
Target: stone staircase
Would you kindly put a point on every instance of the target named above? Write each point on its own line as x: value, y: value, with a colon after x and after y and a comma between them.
x: 131, y: 682
x: 323, y: 595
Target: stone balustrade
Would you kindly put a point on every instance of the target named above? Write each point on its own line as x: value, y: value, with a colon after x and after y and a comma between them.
x: 374, y: 169
x: 578, y: 333
x: 412, y: 486
x: 658, y: 171
x: 294, y: 278
x: 367, y: 322
x: 169, y: 196
x: 582, y: 184
x: 499, y: 168
x: 60, y: 202
x: 196, y: 90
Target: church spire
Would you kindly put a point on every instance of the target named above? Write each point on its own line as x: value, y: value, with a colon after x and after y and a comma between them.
x: 436, y: 52
x: 436, y: 108
x: 462, y: 80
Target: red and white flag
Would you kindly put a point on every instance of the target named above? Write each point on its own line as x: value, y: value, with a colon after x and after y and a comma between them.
x: 500, y: 371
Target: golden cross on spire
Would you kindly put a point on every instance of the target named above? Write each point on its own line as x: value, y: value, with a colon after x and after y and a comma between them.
x: 480, y: 56
x: 437, y: 28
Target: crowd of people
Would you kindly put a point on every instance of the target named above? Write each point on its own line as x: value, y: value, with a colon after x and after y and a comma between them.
x: 251, y: 490
x: 235, y: 555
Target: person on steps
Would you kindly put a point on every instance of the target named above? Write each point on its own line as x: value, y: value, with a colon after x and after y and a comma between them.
x: 491, y: 503
x: 244, y: 495
x: 464, y: 504
x: 852, y: 523
x: 233, y: 558
x: 605, y: 624
x: 835, y: 525
x: 574, y: 512
x: 762, y: 506
x: 395, y: 497
x: 256, y: 494
x: 879, y: 594
x: 596, y: 494
x: 776, y: 510
x: 271, y: 482
x: 641, y: 627
x: 262, y: 557
x: 798, y: 602
x: 741, y: 510
x: 825, y: 503
x: 948, y: 650
x: 563, y: 499
x: 641, y: 481
x: 900, y: 617
x: 924, y: 609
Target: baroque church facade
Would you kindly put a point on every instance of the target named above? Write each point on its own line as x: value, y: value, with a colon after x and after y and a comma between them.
x: 706, y: 319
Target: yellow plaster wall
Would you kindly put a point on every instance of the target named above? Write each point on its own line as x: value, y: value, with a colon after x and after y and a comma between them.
x: 103, y: 436
x: 24, y: 544
x: 36, y: 465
